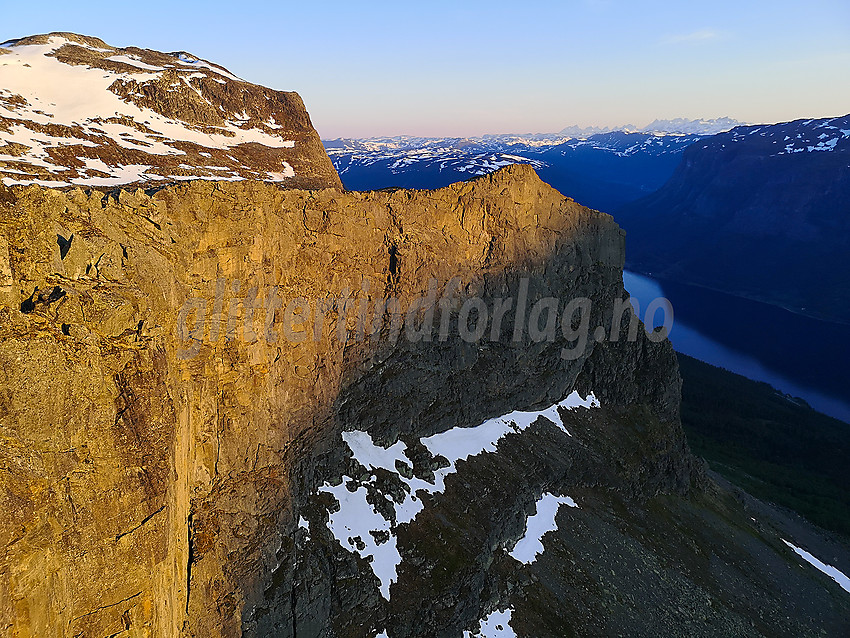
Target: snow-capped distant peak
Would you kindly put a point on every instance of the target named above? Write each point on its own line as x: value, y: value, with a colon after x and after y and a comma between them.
x: 677, y: 126
x: 788, y: 138
x: 683, y: 126
x: 76, y: 111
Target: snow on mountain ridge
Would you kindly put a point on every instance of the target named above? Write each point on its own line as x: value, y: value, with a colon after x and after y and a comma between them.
x: 76, y: 111
x: 676, y: 126
x: 786, y: 138
x: 659, y: 128
x: 477, y: 156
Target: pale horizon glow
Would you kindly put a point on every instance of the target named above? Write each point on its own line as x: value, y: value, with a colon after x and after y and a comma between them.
x: 446, y: 69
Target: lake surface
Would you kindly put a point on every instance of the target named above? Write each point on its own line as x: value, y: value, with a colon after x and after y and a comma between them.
x: 798, y: 355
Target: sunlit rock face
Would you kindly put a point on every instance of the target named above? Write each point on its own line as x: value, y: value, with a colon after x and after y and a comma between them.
x: 189, y: 460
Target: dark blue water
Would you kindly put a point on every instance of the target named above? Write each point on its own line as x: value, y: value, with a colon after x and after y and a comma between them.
x: 798, y: 355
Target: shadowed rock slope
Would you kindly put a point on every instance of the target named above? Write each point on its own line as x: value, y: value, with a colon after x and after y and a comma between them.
x: 760, y: 212
x: 168, y: 473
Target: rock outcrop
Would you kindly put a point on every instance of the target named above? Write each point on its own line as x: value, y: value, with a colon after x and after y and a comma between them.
x: 166, y: 479
x: 177, y: 452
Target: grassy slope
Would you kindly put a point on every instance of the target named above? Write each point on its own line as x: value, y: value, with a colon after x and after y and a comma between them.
x: 772, y: 446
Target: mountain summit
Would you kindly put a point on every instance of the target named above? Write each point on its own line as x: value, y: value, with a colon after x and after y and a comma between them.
x: 75, y: 111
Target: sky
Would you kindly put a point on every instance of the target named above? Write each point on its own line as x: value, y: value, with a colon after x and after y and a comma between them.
x: 465, y: 69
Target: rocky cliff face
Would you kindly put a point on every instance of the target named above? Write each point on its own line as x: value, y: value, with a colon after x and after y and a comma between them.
x: 75, y: 111
x: 186, y: 452
x: 174, y: 483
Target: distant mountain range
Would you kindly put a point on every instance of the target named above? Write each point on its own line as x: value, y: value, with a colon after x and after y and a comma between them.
x: 602, y: 170
x: 600, y: 167
x: 677, y: 126
x: 760, y: 211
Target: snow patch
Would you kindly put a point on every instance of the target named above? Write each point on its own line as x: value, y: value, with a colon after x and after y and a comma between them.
x: 461, y: 443
x: 531, y: 544
x: 351, y: 526
x: 829, y: 570
x: 357, y: 525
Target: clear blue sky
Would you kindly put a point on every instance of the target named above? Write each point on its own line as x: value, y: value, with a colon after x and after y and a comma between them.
x: 451, y: 68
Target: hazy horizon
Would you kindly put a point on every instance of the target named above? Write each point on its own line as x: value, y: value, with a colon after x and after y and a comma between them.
x: 490, y: 68
x: 636, y: 126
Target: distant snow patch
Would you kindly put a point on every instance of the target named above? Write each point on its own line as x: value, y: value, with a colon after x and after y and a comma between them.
x: 286, y: 173
x: 126, y: 59
x: 9, y: 181
x: 190, y: 60
x: 115, y: 174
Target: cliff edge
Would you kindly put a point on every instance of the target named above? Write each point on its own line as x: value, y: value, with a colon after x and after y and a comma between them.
x: 203, y: 435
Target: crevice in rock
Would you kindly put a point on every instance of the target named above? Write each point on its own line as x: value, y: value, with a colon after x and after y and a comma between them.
x: 393, y: 260
x: 189, y: 559
x: 144, y: 520
x: 394, y: 266
x: 102, y: 607
x: 155, y: 225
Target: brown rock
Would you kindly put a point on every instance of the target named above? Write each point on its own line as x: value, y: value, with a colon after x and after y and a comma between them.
x: 142, y: 487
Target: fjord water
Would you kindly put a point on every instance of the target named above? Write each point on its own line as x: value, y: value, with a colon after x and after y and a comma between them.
x: 798, y: 355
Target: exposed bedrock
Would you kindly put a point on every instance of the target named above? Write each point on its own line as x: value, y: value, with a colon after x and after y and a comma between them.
x: 167, y: 471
